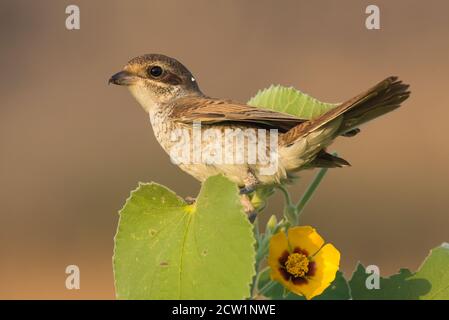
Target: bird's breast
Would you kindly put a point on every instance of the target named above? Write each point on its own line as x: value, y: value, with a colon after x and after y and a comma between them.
x: 163, y: 127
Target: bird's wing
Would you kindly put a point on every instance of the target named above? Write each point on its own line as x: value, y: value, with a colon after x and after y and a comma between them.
x: 215, y: 111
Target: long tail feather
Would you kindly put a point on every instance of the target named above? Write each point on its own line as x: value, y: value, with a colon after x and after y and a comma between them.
x: 384, y: 97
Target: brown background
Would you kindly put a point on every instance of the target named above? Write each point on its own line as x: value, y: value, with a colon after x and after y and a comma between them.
x: 71, y: 147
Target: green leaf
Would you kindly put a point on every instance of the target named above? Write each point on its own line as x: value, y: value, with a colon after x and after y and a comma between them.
x: 431, y: 281
x: 338, y: 289
x: 395, y: 287
x: 167, y: 249
x: 291, y: 101
x: 399, y: 286
x: 435, y: 271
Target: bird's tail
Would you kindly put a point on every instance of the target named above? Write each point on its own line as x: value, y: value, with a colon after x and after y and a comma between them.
x: 384, y: 97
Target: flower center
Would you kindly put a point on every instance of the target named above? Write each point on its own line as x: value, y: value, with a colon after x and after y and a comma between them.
x: 297, y: 264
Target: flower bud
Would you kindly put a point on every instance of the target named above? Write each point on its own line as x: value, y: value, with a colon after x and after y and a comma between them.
x: 272, y: 223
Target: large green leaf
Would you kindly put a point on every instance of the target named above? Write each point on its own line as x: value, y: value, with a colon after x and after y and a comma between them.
x: 338, y: 289
x: 167, y: 249
x: 399, y: 286
x: 291, y: 101
x: 431, y: 281
x: 435, y: 270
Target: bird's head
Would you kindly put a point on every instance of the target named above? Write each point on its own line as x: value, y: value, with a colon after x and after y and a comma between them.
x: 156, y: 79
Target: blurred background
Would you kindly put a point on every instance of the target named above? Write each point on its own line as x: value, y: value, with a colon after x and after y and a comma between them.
x: 72, y: 147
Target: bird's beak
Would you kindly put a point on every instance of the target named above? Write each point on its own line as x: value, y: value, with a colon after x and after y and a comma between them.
x: 123, y: 78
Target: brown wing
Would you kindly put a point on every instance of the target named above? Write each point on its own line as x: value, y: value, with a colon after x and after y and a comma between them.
x: 216, y: 111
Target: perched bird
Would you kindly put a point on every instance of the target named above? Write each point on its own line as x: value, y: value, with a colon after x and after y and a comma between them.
x: 169, y: 93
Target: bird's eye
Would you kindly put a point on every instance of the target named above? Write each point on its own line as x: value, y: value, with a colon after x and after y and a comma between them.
x: 155, y: 71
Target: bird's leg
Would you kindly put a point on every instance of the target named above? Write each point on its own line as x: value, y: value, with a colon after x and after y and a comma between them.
x: 248, y: 207
x: 251, y: 183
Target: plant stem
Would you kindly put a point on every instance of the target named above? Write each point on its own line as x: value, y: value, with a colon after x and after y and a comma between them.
x: 256, y: 228
x: 290, y: 212
x: 309, y: 192
x: 286, y: 194
x: 265, y: 288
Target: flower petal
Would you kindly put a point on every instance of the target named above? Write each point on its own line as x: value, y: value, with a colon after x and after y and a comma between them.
x: 295, y: 288
x: 306, y: 238
x: 327, y: 261
x: 278, y: 246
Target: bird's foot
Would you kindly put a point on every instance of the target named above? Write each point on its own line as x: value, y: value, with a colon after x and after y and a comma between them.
x: 248, y: 208
x: 252, y: 216
x: 247, y: 189
x: 190, y: 200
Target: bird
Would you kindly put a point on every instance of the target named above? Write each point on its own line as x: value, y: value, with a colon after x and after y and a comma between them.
x: 171, y: 96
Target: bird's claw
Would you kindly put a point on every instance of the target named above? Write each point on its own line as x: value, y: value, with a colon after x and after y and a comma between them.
x: 252, y: 216
x: 247, y: 190
x: 190, y: 200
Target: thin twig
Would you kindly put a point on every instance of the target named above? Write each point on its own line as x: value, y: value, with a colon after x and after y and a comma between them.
x: 310, y: 191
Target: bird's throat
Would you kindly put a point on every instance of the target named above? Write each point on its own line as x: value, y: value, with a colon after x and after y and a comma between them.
x: 146, y: 98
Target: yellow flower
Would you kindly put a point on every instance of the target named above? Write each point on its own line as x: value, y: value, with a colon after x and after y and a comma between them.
x: 301, y: 261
